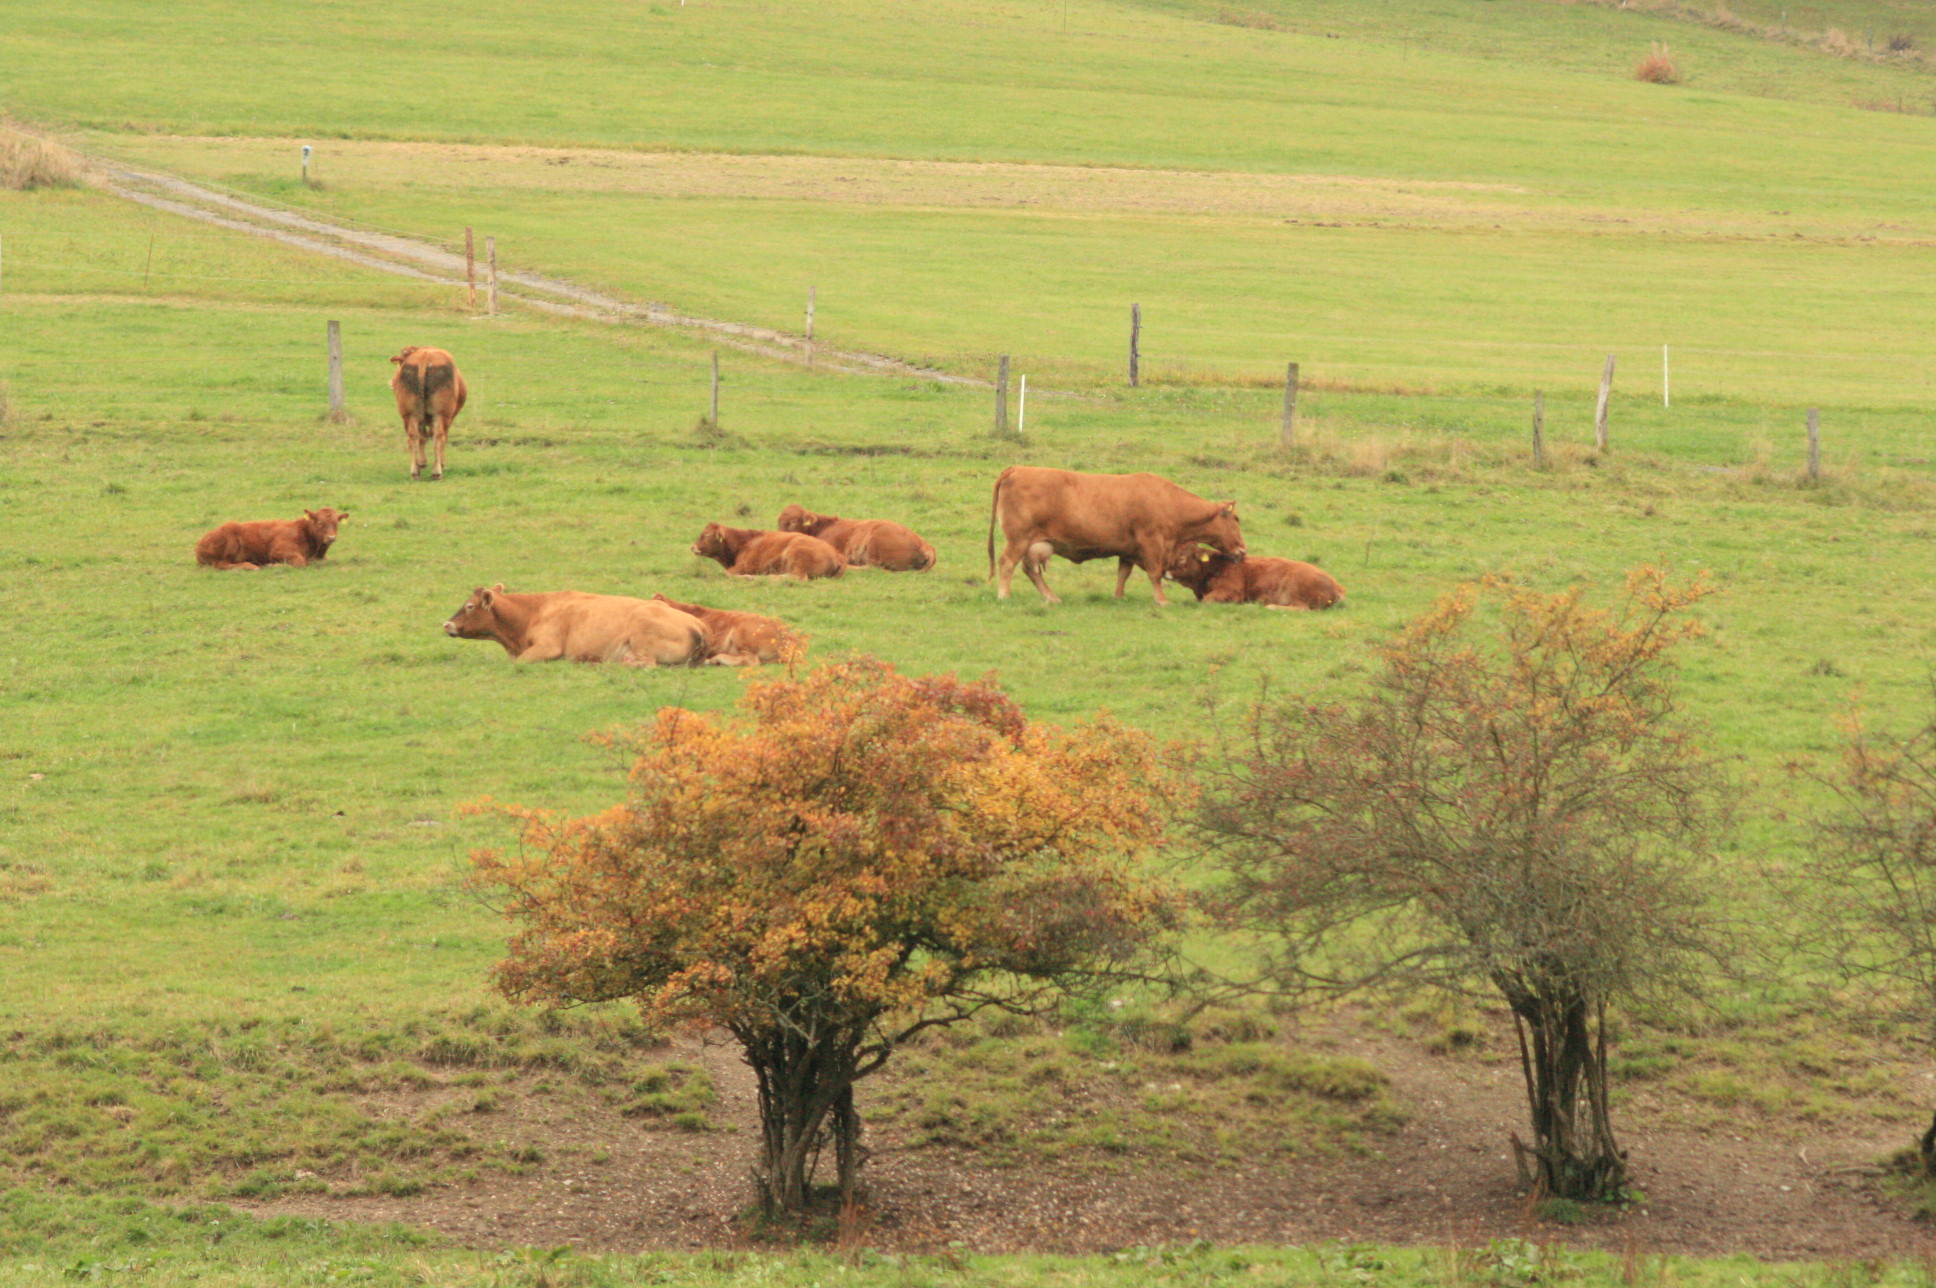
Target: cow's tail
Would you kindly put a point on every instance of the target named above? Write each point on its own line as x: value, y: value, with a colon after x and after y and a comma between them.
x: 994, y: 508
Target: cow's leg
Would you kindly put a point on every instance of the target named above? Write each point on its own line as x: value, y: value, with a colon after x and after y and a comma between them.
x: 1153, y: 561
x: 1034, y: 563
x: 443, y: 436
x: 1005, y: 567
x: 413, y: 430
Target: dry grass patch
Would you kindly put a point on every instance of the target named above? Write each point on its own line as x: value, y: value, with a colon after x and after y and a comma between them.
x: 28, y: 162
x: 1658, y: 67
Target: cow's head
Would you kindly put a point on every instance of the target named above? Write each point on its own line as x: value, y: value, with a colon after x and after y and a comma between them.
x: 1195, y: 567
x: 711, y: 543
x: 322, y: 525
x: 1221, y: 531
x: 404, y: 357
x: 477, y: 618
x: 795, y: 518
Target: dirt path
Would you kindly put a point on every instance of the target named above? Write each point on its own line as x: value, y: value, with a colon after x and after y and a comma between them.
x: 404, y: 256
x: 612, y: 1184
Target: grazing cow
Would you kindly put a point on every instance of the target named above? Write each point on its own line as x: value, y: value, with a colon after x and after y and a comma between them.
x: 749, y: 552
x: 579, y: 626
x: 741, y: 639
x: 1275, y: 583
x: 430, y: 392
x: 271, y: 541
x: 863, y: 543
x: 1140, y: 520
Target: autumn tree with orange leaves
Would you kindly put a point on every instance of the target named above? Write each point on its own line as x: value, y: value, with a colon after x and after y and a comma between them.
x: 1527, y: 814
x: 858, y: 857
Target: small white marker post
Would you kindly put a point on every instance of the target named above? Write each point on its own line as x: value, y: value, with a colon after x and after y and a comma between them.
x: 306, y: 150
x: 1664, y: 385
x: 1021, y: 408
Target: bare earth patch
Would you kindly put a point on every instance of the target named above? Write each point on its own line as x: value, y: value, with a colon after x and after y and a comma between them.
x: 610, y: 1184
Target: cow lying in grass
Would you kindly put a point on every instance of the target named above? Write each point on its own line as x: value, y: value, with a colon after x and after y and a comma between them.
x: 863, y: 543
x: 1260, y: 579
x: 741, y: 639
x: 750, y: 552
x: 543, y: 627
x: 271, y: 541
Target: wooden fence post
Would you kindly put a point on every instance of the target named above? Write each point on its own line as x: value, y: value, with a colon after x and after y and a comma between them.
x: 1135, y: 337
x: 715, y: 414
x: 810, y: 293
x: 1814, y: 445
x: 1666, y: 382
x: 1539, y: 430
x: 339, y: 411
x: 1600, y: 408
x: 1001, y: 398
x: 470, y: 271
x: 1021, y: 408
x: 1287, y: 433
x: 490, y: 259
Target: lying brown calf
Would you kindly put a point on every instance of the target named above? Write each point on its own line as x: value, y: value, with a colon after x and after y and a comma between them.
x: 271, y: 541
x: 1275, y: 583
x: 749, y: 552
x: 549, y: 625
x: 741, y: 639
x: 863, y: 543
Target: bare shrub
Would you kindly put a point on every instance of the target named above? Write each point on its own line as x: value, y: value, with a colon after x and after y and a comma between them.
x: 27, y: 162
x: 1901, y: 43
x: 1658, y: 67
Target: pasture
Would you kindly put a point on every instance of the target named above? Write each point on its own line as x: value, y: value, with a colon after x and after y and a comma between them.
x: 232, y: 836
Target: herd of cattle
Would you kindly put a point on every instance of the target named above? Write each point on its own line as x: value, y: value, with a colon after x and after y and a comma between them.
x: 1140, y: 520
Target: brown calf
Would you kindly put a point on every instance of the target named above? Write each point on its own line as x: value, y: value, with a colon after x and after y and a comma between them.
x: 547, y: 626
x: 1275, y: 583
x: 863, y: 543
x: 430, y: 392
x: 749, y: 552
x: 271, y: 541
x: 741, y: 639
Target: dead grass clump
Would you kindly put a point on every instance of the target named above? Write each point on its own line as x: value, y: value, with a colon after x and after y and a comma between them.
x: 1836, y: 41
x: 1248, y: 18
x: 1658, y: 67
x: 27, y: 163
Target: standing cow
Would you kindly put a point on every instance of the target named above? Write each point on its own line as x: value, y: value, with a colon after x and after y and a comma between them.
x: 1140, y: 520
x: 430, y: 392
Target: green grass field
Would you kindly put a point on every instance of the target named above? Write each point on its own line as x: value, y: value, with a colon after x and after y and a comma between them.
x: 231, y: 802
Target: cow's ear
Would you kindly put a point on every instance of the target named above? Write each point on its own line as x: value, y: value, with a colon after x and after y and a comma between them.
x: 1230, y: 508
x: 499, y: 588
x: 309, y: 514
x: 483, y: 598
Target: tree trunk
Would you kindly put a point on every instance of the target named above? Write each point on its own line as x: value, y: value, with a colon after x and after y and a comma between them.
x: 1563, y: 1057
x: 806, y: 1093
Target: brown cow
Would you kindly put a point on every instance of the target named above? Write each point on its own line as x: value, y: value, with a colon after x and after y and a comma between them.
x: 1261, y: 579
x: 430, y: 392
x: 741, y: 639
x: 1140, y: 520
x: 270, y: 541
x: 543, y: 627
x: 750, y: 552
x: 863, y: 543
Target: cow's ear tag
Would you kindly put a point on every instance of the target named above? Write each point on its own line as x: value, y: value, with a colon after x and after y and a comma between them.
x: 1202, y: 557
